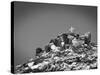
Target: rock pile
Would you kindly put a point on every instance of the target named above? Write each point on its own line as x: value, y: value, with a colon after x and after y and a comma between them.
x: 68, y: 51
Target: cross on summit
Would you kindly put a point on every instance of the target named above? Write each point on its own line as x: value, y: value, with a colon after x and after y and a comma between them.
x: 71, y: 29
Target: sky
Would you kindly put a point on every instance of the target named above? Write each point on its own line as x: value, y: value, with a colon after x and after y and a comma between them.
x: 36, y: 23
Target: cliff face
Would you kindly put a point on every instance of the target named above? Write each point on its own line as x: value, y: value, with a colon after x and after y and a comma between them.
x: 68, y: 51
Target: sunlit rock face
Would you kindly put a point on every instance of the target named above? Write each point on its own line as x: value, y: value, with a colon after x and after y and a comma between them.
x: 68, y: 51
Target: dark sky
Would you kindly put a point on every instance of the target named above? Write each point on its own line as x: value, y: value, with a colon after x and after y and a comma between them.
x: 36, y: 23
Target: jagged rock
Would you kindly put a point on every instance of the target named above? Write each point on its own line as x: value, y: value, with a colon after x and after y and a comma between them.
x: 69, y: 51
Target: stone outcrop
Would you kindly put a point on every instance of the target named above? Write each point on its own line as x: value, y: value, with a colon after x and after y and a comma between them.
x: 68, y: 51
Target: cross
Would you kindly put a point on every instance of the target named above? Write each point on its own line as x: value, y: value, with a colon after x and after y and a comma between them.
x: 71, y: 29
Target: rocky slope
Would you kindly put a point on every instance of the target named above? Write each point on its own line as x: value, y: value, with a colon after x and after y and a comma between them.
x: 68, y: 51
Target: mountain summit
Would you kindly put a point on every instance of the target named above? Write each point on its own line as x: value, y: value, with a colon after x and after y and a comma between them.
x: 68, y: 51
